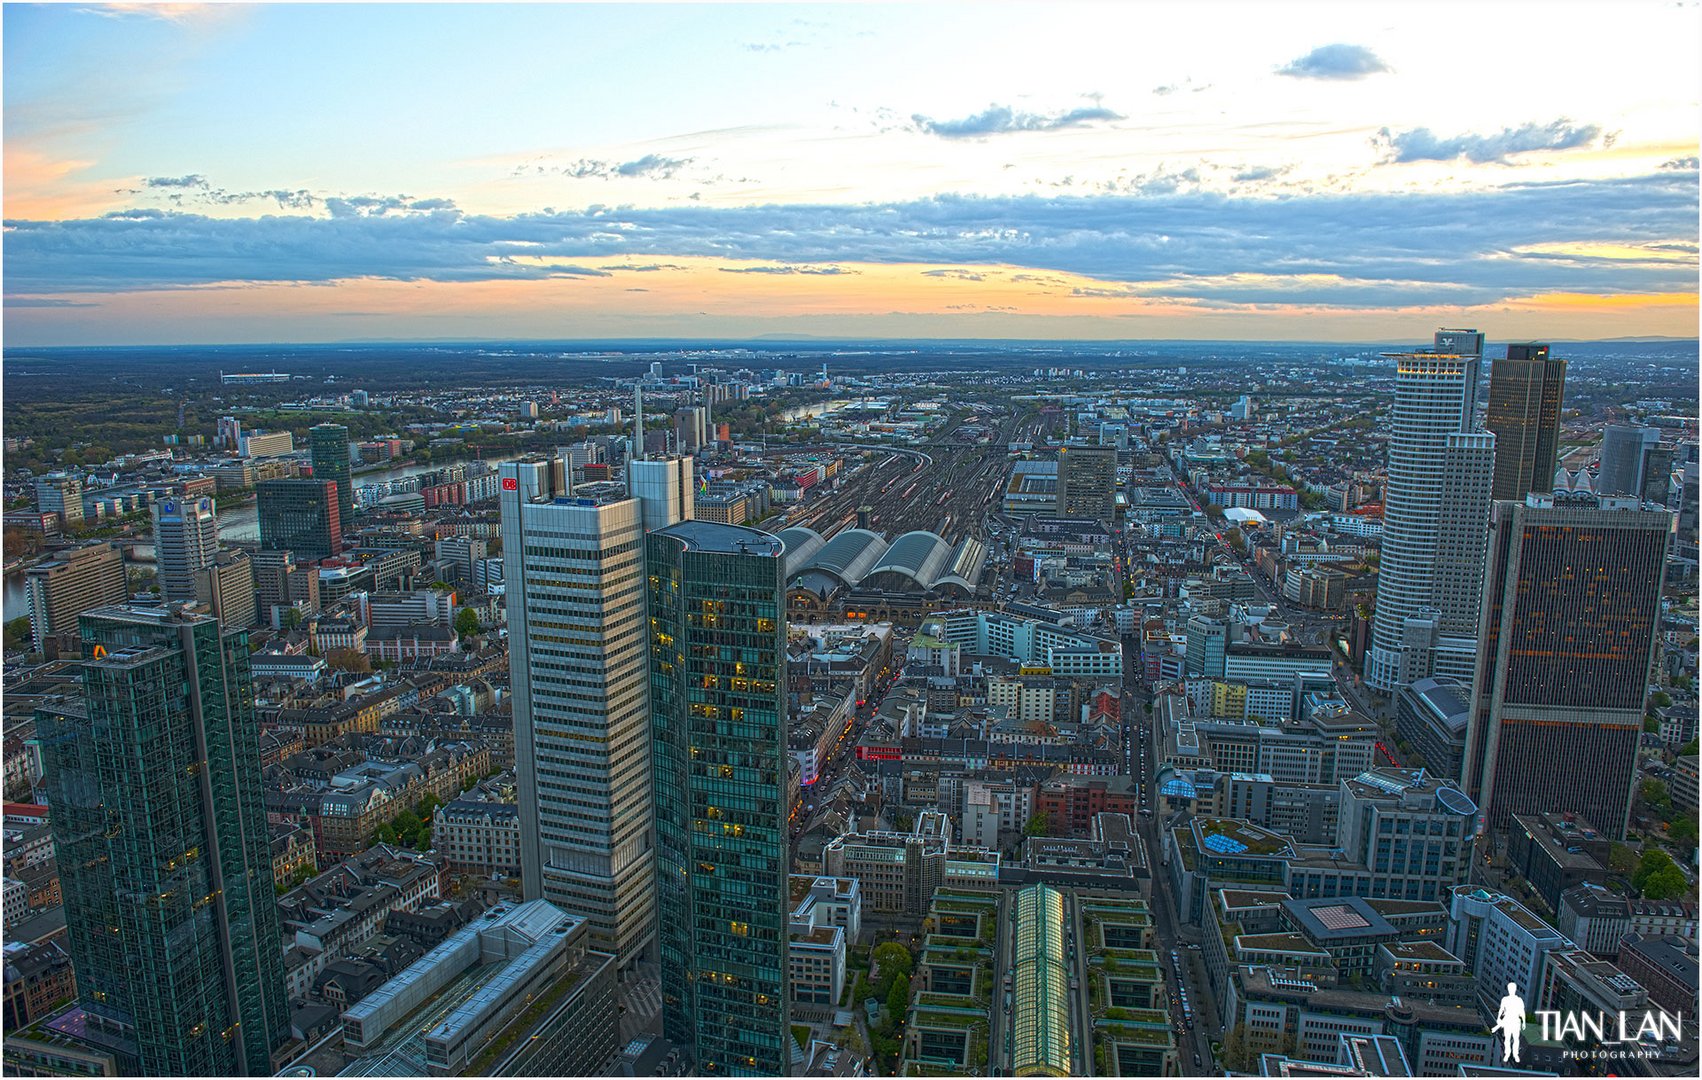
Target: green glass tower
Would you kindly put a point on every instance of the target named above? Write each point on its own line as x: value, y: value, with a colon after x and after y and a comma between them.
x: 328, y: 449
x: 164, y: 854
x: 718, y: 709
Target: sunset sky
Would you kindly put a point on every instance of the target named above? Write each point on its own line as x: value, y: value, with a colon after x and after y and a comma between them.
x: 182, y: 173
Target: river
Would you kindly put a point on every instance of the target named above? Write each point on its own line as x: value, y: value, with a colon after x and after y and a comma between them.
x: 241, y: 523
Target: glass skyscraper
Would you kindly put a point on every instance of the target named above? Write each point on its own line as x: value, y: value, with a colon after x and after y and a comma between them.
x: 1526, y: 388
x: 718, y: 710
x: 164, y: 851
x: 328, y: 448
x: 302, y: 517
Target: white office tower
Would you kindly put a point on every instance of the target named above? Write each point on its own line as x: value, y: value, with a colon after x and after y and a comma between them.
x: 573, y: 565
x: 1462, y: 545
x: 1435, y: 398
x: 186, y: 539
x: 665, y: 489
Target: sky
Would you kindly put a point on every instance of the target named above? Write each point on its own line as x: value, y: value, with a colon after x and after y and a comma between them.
x: 186, y: 174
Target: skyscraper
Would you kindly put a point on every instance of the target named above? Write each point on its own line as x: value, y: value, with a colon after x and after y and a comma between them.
x: 328, y: 448
x: 164, y: 856
x: 186, y: 538
x: 1526, y: 388
x: 573, y: 561
x: 1567, y: 639
x: 1624, y: 459
x: 73, y: 581
x: 718, y: 710
x: 303, y: 517
x: 1087, y: 481
x: 1462, y: 537
x: 1435, y: 401
x: 665, y: 489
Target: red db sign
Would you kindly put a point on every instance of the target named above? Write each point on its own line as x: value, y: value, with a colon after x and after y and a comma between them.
x: 510, y: 484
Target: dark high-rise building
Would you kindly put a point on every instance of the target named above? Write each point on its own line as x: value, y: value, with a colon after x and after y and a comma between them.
x: 1625, y: 459
x: 1087, y: 481
x: 1525, y: 391
x: 164, y: 853
x: 302, y: 517
x: 328, y: 448
x: 1567, y: 638
x: 718, y: 710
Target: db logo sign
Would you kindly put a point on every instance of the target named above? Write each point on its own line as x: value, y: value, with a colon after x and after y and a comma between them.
x: 510, y: 484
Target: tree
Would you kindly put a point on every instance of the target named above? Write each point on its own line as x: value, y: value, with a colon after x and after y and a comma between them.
x: 1039, y: 824
x: 292, y: 618
x: 1688, y: 749
x: 1683, y: 831
x: 898, y: 999
x: 1654, y: 862
x: 1655, y: 794
x: 1667, y: 883
x: 466, y: 623
x: 893, y: 959
x: 351, y: 660
x: 18, y: 632
x: 1660, y: 699
x: 1621, y: 859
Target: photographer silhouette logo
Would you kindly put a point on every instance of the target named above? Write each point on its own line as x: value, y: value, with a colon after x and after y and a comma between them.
x: 1510, y: 1022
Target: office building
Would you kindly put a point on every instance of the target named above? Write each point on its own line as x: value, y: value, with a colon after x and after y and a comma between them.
x: 718, y: 707
x: 281, y: 584
x: 328, y: 448
x: 1597, y: 918
x: 492, y: 970
x: 1431, y: 715
x: 256, y: 444
x: 1087, y: 481
x: 574, y: 567
x: 1207, y: 638
x: 186, y: 537
x: 70, y: 583
x: 226, y: 588
x: 303, y: 517
x: 1435, y: 403
x: 164, y: 850
x: 1526, y: 388
x: 1468, y: 469
x: 665, y: 490
x: 1501, y: 941
x: 228, y: 434
x: 1568, y: 637
x: 62, y: 496
x: 1412, y: 830
x: 1625, y: 459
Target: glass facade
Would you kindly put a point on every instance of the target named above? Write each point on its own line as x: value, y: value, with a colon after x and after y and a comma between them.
x: 301, y: 517
x: 1525, y: 391
x: 328, y: 448
x: 718, y: 707
x: 164, y: 853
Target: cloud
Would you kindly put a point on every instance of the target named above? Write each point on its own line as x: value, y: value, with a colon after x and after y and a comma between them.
x: 825, y: 271
x: 1683, y: 164
x: 193, y: 180
x: 957, y: 274
x: 1260, y: 172
x: 1002, y: 120
x: 46, y: 302
x: 648, y: 268
x: 379, y: 205
x: 1421, y: 144
x: 650, y: 166
x: 1406, y: 248
x: 1335, y: 62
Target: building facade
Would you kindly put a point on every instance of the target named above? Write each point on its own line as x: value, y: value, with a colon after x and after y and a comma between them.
x: 1568, y: 637
x: 163, y: 843
x: 718, y: 706
x: 186, y: 539
x: 303, y: 517
x: 1526, y: 388
x: 328, y: 449
x: 574, y: 566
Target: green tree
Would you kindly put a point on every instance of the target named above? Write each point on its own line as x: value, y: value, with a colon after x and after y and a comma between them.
x: 898, y: 998
x: 18, y: 632
x: 1667, y: 883
x: 1660, y: 699
x: 466, y: 623
x: 1038, y: 824
x: 1688, y: 749
x: 350, y: 660
x: 292, y: 618
x: 893, y: 959
x: 1683, y: 831
x: 1654, y: 861
x: 1655, y: 794
x: 1621, y: 859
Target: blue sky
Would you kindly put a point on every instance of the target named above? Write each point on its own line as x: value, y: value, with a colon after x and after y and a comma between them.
x: 320, y: 172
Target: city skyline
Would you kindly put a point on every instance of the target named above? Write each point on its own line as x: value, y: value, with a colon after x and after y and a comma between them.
x: 241, y: 173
